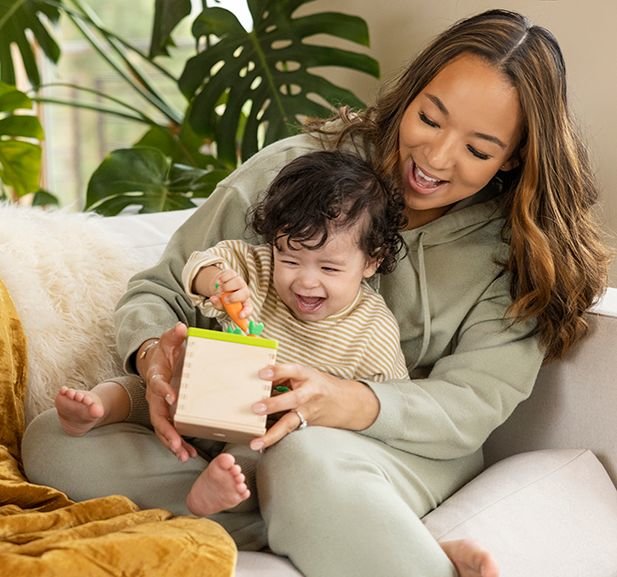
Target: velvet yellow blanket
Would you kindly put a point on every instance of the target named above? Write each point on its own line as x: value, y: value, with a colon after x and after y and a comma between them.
x: 44, y: 533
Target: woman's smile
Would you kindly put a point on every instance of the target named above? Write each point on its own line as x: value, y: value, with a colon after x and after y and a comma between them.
x: 422, y: 181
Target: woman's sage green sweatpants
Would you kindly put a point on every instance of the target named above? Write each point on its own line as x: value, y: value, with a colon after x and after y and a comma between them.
x: 337, y: 503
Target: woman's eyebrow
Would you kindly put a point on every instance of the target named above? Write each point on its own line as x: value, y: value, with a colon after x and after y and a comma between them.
x: 438, y: 103
x: 442, y: 107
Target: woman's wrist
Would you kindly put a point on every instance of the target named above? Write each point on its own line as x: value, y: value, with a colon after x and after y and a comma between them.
x: 141, y: 357
x: 365, y: 406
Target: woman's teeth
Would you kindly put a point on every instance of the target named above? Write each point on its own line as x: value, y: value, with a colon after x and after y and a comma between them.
x: 423, y: 178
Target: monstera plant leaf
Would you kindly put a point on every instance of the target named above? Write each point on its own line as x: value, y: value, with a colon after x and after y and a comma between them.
x: 20, y: 153
x: 249, y: 89
x: 17, y: 16
x: 167, y: 15
x: 147, y: 178
x: 183, y: 146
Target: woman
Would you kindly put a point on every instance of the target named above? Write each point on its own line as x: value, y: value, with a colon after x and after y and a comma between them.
x: 503, y: 260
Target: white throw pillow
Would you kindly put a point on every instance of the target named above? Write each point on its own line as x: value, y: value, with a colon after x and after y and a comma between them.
x: 550, y: 513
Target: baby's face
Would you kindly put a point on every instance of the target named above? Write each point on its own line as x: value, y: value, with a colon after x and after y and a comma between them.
x: 318, y: 283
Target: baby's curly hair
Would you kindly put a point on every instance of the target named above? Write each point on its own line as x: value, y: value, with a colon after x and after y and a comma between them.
x: 326, y: 190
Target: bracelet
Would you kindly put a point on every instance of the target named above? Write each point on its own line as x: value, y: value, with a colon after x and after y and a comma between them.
x: 144, y: 351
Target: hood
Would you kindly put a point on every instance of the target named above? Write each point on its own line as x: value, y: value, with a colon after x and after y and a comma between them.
x: 464, y: 218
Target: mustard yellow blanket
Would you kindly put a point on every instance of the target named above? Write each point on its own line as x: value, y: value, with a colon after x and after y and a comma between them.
x: 44, y: 533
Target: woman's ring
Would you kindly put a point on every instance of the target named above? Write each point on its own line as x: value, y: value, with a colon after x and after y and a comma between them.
x: 303, y: 422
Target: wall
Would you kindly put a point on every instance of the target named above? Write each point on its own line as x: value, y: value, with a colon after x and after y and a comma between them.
x: 586, y: 32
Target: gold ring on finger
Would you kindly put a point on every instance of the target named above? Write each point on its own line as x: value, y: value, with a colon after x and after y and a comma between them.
x: 303, y: 422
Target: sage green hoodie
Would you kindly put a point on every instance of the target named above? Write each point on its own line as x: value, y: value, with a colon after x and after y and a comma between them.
x: 470, y: 366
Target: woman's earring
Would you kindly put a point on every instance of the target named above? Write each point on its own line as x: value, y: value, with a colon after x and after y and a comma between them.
x: 509, y: 164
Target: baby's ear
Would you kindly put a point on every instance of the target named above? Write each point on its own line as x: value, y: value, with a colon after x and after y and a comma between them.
x: 371, y: 267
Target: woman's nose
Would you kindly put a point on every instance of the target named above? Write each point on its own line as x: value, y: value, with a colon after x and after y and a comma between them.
x: 440, y: 152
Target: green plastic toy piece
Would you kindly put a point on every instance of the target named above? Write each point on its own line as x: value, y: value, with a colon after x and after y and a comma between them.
x: 234, y: 330
x: 255, y: 329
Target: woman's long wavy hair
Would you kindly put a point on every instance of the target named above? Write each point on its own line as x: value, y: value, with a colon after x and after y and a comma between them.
x: 558, y: 261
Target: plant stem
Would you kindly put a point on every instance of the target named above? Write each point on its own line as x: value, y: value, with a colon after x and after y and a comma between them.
x: 100, y: 94
x: 135, y: 79
x: 101, y: 109
x: 91, y: 19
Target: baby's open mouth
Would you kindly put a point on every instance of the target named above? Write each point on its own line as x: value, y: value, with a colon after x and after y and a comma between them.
x: 309, y: 304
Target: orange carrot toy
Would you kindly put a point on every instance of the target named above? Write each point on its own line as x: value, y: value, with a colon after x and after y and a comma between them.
x: 233, y: 310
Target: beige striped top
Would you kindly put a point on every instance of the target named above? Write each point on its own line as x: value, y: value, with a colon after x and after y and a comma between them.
x: 361, y: 341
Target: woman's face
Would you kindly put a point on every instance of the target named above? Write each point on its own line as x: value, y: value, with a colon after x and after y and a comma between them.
x: 455, y: 135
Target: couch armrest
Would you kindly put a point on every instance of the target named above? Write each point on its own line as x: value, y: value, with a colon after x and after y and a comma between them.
x: 574, y: 401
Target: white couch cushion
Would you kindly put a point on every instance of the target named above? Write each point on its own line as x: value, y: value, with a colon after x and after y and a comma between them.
x: 572, y: 403
x: 549, y: 513
x: 146, y: 235
x: 254, y: 564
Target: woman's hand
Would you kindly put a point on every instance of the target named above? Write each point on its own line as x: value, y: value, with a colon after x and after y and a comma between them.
x: 157, y: 368
x: 318, y: 397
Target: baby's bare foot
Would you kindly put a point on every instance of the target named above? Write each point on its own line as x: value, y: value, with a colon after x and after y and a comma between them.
x: 470, y: 559
x: 221, y: 486
x: 78, y: 411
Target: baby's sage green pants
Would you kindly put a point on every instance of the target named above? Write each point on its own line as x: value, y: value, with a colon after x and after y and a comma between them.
x: 337, y: 503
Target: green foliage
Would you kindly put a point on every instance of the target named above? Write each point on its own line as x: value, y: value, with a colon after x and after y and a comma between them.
x: 168, y: 14
x: 146, y: 177
x: 20, y: 151
x: 44, y: 198
x: 265, y: 73
x: 243, y: 90
x: 16, y: 17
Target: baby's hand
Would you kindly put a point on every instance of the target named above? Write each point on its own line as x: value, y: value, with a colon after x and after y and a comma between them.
x: 233, y: 284
x: 232, y: 294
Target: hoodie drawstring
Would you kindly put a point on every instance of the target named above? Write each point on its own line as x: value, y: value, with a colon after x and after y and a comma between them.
x: 426, y: 312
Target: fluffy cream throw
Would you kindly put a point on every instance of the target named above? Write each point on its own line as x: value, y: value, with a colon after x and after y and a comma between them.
x: 65, y: 272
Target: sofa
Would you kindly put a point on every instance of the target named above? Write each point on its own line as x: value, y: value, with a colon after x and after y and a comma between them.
x: 546, y: 503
